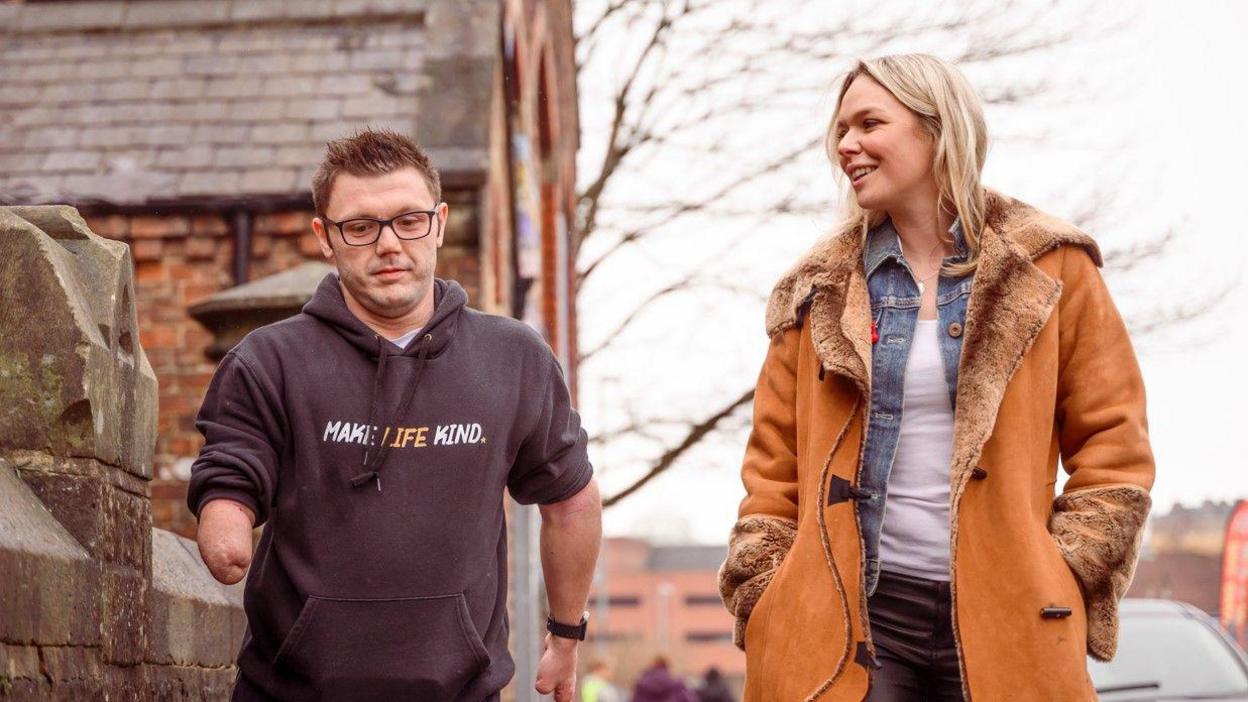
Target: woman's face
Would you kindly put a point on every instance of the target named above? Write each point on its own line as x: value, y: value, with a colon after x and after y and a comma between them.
x: 883, y: 148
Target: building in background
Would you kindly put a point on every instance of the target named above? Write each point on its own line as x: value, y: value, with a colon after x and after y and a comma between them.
x: 190, y: 129
x: 1182, y: 555
x: 650, y: 600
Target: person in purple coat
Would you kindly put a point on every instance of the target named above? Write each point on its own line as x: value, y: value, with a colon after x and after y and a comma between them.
x: 656, y: 684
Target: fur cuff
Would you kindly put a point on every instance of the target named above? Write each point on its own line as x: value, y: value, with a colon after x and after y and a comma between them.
x: 756, y: 548
x: 1098, y: 531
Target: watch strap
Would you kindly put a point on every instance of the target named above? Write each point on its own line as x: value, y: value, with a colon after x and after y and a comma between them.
x: 569, y: 631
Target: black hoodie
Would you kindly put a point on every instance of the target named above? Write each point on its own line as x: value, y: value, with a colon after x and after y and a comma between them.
x: 382, y: 570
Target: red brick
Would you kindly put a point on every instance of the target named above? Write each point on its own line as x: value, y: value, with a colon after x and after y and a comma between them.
x: 148, y: 272
x: 198, y: 291
x: 196, y: 382
x: 111, y: 226
x: 158, y: 337
x: 183, y: 445
x: 209, y: 225
x: 146, y: 250
x: 261, y: 246
x: 185, y: 272
x: 285, y: 223
x: 202, y: 247
x: 157, y: 227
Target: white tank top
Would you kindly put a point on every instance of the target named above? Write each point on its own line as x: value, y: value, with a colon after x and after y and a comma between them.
x: 915, y: 536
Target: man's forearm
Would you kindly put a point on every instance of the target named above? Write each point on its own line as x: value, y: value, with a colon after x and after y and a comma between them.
x: 571, y: 537
x: 224, y: 539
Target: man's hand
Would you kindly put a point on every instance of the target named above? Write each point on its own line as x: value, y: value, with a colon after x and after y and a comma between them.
x: 225, y: 539
x: 557, y: 670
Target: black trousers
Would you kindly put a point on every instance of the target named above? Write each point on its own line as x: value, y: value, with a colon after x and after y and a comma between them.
x: 912, y: 627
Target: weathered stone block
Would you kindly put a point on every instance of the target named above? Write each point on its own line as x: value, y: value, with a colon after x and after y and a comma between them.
x: 63, y: 663
x: 123, y: 615
x: 28, y: 689
x: 63, y: 287
x: 179, y: 684
x: 49, y: 587
x: 19, y: 661
x: 194, y: 619
x: 107, y: 521
x: 78, y: 502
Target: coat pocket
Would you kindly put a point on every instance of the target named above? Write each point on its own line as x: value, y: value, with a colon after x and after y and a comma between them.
x: 409, y: 648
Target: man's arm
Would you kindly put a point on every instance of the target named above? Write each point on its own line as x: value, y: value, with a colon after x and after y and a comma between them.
x: 224, y: 538
x: 235, y: 475
x: 570, y: 539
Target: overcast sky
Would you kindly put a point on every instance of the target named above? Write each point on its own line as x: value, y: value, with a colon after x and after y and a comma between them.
x: 1164, y: 130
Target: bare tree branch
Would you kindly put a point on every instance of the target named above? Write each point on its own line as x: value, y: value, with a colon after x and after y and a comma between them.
x: 683, y: 208
x: 717, y: 93
x: 696, y: 434
x: 682, y: 284
x: 617, y: 149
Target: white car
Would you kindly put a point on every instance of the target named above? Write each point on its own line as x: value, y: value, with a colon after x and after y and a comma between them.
x: 1170, y: 650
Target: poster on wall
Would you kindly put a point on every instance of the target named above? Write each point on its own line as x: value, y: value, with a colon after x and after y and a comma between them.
x: 528, y: 237
x: 1233, y: 607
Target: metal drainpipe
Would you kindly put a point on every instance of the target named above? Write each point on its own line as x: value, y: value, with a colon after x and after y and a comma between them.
x: 241, y: 225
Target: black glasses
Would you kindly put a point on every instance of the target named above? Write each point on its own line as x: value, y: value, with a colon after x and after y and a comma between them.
x: 364, y: 231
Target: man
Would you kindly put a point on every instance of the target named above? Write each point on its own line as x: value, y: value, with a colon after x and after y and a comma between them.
x: 374, y: 434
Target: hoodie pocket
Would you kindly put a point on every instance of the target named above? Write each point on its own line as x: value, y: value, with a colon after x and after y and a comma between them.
x: 414, y: 647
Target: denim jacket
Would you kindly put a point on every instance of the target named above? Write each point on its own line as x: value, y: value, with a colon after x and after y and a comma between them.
x: 895, y: 310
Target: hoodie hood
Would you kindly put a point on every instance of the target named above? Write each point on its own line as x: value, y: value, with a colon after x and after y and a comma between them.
x: 329, y: 306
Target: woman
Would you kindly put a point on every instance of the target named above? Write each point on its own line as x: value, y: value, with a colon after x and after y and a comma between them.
x: 929, y: 364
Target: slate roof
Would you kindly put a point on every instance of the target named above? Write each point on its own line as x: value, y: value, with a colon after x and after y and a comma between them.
x: 148, y: 101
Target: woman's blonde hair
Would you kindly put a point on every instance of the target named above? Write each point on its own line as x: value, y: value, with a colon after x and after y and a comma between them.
x: 952, y: 114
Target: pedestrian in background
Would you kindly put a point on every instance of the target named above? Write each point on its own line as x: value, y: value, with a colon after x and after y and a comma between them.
x: 656, y: 684
x: 597, y: 686
x: 714, y: 688
x: 930, y: 363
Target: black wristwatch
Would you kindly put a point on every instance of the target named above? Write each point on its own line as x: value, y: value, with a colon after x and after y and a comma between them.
x: 569, y: 631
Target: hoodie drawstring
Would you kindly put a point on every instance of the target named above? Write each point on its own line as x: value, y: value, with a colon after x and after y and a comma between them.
x: 373, y: 460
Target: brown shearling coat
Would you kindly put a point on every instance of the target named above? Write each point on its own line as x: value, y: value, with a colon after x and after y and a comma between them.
x: 1047, y: 371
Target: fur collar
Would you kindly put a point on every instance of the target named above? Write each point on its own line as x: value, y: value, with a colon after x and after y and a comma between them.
x: 1010, y: 302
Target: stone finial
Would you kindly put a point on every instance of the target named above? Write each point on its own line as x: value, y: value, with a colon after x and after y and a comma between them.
x: 63, y: 287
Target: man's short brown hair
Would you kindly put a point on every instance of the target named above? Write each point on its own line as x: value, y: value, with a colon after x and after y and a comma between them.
x: 371, y: 152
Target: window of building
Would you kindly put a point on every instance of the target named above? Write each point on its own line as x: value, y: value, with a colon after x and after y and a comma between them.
x: 709, y: 637
x: 613, y: 636
x: 622, y: 601
x: 703, y: 601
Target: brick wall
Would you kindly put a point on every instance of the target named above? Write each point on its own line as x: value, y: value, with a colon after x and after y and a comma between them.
x: 180, y: 260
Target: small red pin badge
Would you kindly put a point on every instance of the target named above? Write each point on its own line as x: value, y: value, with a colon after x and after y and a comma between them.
x: 875, y: 332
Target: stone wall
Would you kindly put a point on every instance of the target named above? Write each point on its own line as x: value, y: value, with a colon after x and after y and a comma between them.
x: 94, y: 603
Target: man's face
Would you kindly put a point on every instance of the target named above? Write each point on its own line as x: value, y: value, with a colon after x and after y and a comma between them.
x: 390, y: 277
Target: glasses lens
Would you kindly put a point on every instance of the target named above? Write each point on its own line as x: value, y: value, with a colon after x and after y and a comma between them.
x: 412, y: 224
x: 360, y: 231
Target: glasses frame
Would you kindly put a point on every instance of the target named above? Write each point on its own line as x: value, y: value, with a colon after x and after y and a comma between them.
x: 383, y: 223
